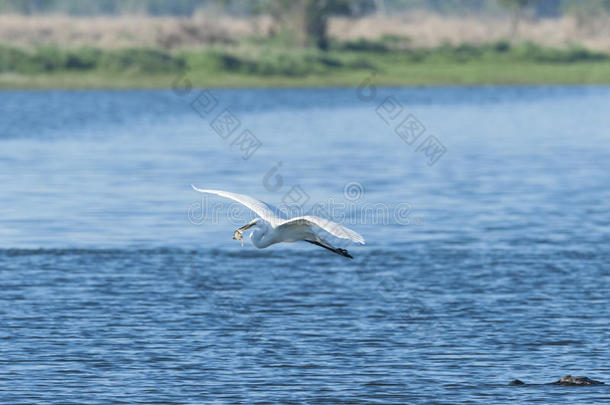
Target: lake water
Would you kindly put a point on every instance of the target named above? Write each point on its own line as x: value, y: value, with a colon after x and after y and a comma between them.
x: 487, y: 255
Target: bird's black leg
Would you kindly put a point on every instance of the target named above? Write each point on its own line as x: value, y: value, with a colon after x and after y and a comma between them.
x: 341, y: 252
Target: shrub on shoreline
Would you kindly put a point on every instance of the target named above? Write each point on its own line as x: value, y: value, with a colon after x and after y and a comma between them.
x: 278, y: 61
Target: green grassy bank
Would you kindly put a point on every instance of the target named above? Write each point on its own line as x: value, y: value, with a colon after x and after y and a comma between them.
x: 255, y: 64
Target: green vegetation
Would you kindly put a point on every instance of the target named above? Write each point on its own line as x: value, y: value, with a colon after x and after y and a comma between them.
x: 294, y: 49
x: 256, y: 63
x: 53, y: 59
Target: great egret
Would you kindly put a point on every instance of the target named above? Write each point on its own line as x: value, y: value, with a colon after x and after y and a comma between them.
x: 272, y: 228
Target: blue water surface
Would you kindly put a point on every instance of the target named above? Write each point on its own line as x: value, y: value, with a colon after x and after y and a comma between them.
x: 485, y: 211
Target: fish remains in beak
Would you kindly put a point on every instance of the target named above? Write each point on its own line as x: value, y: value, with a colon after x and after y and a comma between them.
x: 239, y: 232
x: 239, y: 235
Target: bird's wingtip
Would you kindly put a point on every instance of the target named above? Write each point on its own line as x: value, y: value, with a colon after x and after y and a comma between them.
x: 359, y: 239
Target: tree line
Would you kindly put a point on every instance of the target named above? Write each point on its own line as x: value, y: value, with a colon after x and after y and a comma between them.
x: 540, y: 8
x: 308, y: 19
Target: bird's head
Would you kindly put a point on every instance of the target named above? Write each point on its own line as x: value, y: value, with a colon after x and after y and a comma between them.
x: 239, y: 232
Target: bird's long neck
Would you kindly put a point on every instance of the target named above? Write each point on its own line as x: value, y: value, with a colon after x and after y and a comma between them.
x: 261, y: 237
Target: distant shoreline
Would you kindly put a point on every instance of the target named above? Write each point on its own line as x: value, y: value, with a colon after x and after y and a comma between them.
x: 415, y: 49
x: 418, y: 75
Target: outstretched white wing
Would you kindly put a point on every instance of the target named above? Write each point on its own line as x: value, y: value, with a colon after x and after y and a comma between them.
x: 329, y: 226
x: 260, y: 208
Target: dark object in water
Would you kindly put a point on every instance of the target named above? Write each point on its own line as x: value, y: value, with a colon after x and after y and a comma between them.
x: 516, y: 382
x: 569, y: 380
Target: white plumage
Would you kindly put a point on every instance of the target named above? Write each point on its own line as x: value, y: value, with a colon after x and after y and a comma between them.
x: 272, y: 228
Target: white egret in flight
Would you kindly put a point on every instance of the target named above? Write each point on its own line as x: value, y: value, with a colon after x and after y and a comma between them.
x: 272, y: 227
